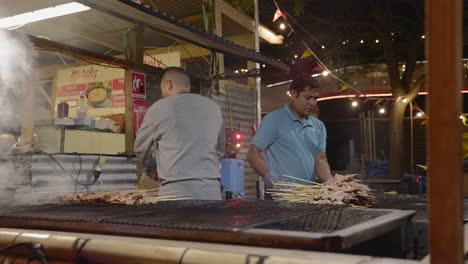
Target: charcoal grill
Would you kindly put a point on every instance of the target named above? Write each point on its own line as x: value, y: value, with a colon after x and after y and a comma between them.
x: 247, y: 222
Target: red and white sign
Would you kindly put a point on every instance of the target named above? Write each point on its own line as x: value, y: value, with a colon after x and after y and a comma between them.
x: 118, y: 100
x: 138, y: 85
x: 118, y: 84
x: 71, y: 90
x: 139, y: 110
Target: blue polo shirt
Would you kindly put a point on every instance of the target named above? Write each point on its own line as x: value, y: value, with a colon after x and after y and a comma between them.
x: 291, y: 147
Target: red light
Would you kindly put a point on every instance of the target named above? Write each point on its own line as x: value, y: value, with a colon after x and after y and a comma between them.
x: 238, y: 136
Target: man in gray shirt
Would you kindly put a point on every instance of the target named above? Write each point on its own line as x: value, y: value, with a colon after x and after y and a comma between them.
x: 188, y: 131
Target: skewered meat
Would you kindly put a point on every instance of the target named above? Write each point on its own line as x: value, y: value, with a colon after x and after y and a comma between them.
x: 124, y: 198
x: 341, y: 190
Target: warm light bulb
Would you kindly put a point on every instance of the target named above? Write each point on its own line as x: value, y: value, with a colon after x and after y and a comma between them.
x: 295, y: 56
x: 236, y: 71
x: 263, y: 65
x: 461, y: 117
x: 382, y: 111
x: 419, y: 114
x: 238, y: 145
x: 377, y: 41
x: 354, y: 104
x: 282, y: 26
x: 288, y: 93
x: 423, y: 36
x: 405, y: 100
x: 325, y: 73
x: 362, y: 41
x: 323, y: 47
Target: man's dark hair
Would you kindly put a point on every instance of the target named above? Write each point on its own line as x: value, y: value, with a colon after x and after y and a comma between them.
x: 302, y: 83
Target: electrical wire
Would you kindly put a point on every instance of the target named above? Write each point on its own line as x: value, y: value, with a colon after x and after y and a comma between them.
x: 68, y: 173
x: 79, y: 170
x: 35, y: 248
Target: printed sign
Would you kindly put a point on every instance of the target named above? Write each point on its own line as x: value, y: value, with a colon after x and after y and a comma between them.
x: 138, y: 85
x: 139, y: 110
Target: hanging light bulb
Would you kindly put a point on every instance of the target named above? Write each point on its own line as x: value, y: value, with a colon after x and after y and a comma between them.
x: 419, y: 114
x: 382, y: 111
x: 323, y: 47
x: 377, y: 41
x: 362, y: 41
x: 325, y: 73
x: 282, y: 26
x: 354, y: 104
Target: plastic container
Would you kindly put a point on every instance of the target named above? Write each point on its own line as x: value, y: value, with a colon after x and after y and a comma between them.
x: 232, y: 178
x: 62, y: 109
x: 82, y: 109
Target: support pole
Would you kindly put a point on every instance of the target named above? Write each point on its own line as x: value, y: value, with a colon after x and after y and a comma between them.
x: 258, y: 90
x: 444, y: 78
x: 135, y: 52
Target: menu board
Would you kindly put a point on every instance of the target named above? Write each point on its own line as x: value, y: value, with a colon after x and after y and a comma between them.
x: 103, y: 87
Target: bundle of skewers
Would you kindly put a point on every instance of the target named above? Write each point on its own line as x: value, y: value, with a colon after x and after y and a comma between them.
x: 341, y: 190
x: 129, y: 197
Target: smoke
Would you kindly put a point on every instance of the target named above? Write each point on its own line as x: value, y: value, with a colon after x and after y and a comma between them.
x: 17, y: 60
x: 17, y: 57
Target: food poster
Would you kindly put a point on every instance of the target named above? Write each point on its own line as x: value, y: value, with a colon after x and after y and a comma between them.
x: 169, y: 59
x: 102, y: 86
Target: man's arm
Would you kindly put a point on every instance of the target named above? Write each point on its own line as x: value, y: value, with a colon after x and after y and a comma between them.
x: 147, y: 133
x: 256, y: 159
x: 322, y: 168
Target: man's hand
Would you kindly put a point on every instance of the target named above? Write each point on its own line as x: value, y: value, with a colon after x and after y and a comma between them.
x: 270, y: 180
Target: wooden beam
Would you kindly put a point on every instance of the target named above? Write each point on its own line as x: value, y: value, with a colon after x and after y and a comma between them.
x: 444, y: 54
x: 53, y: 46
x: 135, y: 52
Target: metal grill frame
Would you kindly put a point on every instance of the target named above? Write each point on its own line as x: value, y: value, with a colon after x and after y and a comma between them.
x: 255, y: 236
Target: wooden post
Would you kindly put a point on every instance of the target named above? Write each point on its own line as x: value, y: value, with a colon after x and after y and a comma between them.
x: 135, y: 51
x: 444, y: 54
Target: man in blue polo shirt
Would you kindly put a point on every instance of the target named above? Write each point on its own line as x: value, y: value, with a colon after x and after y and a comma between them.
x: 290, y: 141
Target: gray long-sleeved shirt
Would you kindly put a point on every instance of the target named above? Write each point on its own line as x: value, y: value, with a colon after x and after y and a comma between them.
x: 189, y: 133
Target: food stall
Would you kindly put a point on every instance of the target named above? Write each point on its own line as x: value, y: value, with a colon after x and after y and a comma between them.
x: 161, y: 232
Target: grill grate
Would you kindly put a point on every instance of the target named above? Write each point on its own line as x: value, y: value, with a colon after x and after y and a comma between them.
x: 324, y: 221
x: 232, y: 215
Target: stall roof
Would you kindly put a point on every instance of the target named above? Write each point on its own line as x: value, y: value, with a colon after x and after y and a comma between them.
x: 136, y: 12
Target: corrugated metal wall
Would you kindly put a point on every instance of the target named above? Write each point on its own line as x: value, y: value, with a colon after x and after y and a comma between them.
x: 47, y: 177
x: 242, y: 101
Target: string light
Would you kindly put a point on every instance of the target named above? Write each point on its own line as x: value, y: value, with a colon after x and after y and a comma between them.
x: 377, y: 41
x: 419, y: 114
x: 236, y: 71
x: 323, y: 47
x: 288, y: 93
x: 354, y: 104
x: 295, y: 56
x: 382, y: 111
x: 405, y: 100
x: 344, y: 42
x: 423, y: 36
x: 362, y: 41
x: 461, y: 117
x: 325, y: 73
x: 282, y: 26
x: 263, y: 65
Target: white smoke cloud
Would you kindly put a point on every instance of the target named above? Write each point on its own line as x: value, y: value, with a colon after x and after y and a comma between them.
x: 17, y: 67
x: 17, y: 57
